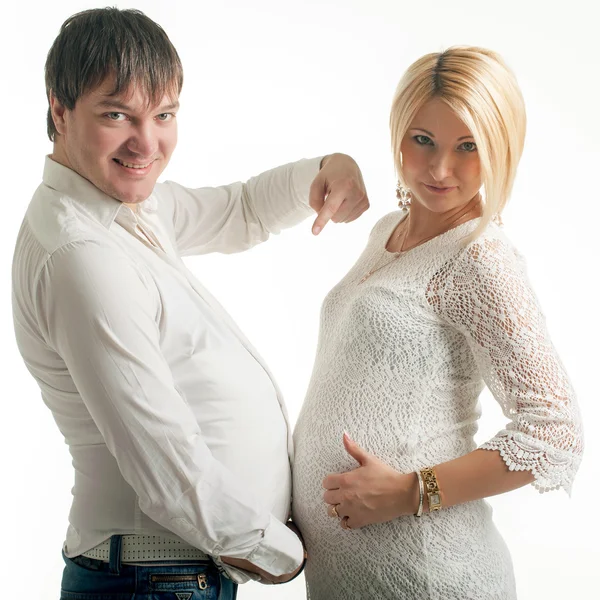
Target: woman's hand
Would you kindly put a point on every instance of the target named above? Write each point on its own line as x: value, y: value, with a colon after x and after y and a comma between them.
x: 372, y: 493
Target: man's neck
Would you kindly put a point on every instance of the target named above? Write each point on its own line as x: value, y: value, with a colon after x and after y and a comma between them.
x: 133, y: 206
x: 59, y: 156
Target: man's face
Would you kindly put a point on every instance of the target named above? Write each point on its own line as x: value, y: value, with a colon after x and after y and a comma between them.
x: 119, y: 143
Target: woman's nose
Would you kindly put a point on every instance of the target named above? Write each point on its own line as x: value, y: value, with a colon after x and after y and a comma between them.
x: 441, y: 166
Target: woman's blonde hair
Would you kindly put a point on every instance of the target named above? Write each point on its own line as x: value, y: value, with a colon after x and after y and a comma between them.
x: 483, y: 92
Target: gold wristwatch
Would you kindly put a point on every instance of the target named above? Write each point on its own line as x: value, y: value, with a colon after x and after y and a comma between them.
x: 432, y: 489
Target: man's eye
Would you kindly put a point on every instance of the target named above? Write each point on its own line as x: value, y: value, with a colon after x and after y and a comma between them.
x: 115, y: 116
x: 423, y: 140
x: 468, y: 146
x: 165, y: 116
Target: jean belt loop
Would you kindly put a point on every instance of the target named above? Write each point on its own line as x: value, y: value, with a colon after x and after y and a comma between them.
x: 114, y: 557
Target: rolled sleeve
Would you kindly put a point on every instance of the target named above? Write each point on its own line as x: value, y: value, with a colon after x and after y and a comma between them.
x: 279, y: 552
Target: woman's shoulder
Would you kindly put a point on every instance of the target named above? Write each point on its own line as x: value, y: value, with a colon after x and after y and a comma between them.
x: 489, y: 270
x: 491, y: 251
x: 491, y: 260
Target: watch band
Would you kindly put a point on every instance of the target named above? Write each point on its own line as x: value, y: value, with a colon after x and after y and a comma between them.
x: 432, y: 489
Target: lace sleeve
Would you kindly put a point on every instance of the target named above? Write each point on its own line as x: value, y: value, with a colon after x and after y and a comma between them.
x: 485, y: 294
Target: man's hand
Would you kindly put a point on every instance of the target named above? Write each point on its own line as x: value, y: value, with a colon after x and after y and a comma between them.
x: 372, y: 493
x: 338, y: 192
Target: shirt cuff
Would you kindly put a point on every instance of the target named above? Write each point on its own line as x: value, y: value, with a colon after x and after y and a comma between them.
x: 279, y: 552
x: 236, y: 575
x: 303, y: 175
x: 292, y: 207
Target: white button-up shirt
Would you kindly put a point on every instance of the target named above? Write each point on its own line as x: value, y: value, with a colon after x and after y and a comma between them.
x: 175, y: 424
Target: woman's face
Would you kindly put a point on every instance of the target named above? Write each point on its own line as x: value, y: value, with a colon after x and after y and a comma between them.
x: 440, y: 161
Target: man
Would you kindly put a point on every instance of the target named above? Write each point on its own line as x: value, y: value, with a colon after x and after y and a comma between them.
x: 157, y: 392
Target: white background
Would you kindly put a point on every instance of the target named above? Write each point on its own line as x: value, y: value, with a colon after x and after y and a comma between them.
x: 267, y: 82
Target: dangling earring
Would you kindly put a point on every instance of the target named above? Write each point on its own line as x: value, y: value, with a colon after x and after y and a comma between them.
x: 404, y: 196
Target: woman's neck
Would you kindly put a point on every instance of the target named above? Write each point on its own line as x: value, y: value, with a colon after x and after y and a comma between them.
x: 422, y: 224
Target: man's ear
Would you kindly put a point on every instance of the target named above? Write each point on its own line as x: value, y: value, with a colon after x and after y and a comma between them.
x: 58, y: 112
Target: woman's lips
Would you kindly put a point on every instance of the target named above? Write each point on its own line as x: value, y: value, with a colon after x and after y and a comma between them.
x: 439, y: 190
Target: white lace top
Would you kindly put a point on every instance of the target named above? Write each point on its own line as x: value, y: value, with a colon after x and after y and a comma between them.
x: 401, y: 361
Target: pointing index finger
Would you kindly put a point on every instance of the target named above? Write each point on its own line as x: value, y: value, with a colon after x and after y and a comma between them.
x: 330, y: 207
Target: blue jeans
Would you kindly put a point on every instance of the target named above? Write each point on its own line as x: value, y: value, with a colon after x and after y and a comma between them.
x: 90, y: 579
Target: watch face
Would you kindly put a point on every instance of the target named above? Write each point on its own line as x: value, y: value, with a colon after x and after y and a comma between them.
x: 434, y: 499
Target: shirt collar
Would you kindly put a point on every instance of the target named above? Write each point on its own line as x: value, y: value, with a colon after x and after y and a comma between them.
x: 94, y: 201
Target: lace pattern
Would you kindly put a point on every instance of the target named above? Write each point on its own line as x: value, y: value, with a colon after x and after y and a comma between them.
x: 484, y: 292
x: 401, y: 361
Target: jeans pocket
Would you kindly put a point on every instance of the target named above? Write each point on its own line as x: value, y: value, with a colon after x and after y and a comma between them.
x: 89, y: 579
x: 227, y: 589
x: 93, y: 595
x: 90, y: 564
x: 64, y: 595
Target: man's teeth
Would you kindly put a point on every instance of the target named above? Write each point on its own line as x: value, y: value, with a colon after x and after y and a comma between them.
x: 131, y: 165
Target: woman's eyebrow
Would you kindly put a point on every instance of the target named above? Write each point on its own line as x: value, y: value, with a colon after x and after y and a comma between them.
x: 425, y: 130
x: 464, y: 137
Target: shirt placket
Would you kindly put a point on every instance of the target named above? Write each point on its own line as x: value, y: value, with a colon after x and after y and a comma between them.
x: 146, y: 235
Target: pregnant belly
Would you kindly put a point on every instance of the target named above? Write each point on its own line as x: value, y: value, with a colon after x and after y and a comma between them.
x: 318, y: 452
x: 319, y: 449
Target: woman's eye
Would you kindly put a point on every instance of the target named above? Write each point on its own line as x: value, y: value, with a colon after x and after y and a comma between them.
x: 423, y: 140
x: 468, y: 147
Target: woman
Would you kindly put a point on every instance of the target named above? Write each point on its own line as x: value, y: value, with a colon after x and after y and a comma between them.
x: 437, y: 304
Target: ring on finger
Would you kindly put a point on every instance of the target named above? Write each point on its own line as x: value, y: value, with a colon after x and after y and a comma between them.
x: 344, y: 523
x: 333, y: 511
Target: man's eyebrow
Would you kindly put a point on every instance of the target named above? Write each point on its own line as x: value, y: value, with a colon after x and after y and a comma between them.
x: 110, y: 103
x: 464, y: 137
x: 172, y: 106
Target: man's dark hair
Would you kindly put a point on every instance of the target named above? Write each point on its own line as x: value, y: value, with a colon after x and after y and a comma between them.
x: 102, y: 42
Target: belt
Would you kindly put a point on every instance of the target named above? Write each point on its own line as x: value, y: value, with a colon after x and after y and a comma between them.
x: 148, y: 548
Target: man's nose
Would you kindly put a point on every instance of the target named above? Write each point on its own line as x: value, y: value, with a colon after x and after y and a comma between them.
x: 143, y: 141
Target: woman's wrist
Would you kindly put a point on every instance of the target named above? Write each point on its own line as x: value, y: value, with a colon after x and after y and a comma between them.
x: 408, y: 495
